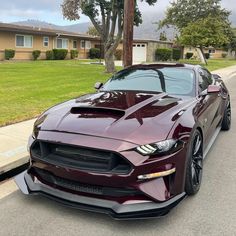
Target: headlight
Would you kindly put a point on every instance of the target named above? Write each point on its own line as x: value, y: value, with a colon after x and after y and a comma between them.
x: 37, y: 126
x: 163, y: 147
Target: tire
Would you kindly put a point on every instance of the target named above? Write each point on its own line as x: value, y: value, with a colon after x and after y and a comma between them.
x: 226, y: 123
x: 194, y: 166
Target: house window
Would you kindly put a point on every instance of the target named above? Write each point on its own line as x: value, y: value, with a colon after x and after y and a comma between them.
x: 45, y: 41
x: 62, y: 43
x: 24, y: 41
x: 85, y: 44
x: 212, y: 51
x: 74, y: 44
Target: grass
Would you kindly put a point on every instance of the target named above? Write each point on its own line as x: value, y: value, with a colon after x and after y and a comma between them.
x: 28, y: 88
x: 213, y: 64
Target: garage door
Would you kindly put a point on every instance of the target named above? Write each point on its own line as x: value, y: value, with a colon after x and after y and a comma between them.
x: 140, y: 52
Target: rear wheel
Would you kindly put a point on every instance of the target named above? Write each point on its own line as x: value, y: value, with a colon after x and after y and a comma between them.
x: 226, y: 123
x: 194, y: 164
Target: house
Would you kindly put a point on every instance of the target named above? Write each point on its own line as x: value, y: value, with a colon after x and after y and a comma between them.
x: 24, y: 40
x: 214, y: 53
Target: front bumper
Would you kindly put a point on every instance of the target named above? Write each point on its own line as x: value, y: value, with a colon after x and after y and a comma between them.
x: 138, y: 209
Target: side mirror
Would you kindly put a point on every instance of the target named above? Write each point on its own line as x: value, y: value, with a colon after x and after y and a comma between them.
x: 213, y: 89
x: 215, y: 76
x: 98, y: 85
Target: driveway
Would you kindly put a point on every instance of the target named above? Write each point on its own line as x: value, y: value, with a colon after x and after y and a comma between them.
x: 211, y: 212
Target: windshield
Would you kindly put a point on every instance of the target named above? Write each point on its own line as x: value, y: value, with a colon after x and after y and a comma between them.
x: 174, y: 81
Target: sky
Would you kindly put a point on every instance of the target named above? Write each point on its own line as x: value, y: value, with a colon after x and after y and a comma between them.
x: 50, y: 10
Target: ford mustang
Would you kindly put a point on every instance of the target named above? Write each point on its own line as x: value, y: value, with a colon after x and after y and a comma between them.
x: 133, y: 149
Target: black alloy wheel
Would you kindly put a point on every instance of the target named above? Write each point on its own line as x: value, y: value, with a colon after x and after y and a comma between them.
x: 194, y: 164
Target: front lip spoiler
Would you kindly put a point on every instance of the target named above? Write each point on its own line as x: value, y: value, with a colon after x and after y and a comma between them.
x: 114, y: 209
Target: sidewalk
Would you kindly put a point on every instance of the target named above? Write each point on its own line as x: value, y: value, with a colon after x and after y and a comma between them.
x: 14, y: 138
x: 13, y: 145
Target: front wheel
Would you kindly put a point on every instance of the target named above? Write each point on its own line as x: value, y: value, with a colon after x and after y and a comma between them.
x: 194, y: 164
x: 226, y: 123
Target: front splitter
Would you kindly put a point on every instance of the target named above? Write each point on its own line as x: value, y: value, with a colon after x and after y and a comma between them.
x: 116, y: 210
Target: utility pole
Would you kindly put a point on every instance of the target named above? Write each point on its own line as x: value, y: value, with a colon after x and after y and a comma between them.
x: 128, y: 32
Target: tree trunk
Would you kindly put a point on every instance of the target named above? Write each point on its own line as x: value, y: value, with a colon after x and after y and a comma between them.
x: 201, y: 55
x: 109, y: 62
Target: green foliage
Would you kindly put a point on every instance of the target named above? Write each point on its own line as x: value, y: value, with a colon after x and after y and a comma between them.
x: 163, y: 54
x: 207, y: 55
x: 205, y: 32
x: 176, y: 54
x: 188, y: 55
x: 224, y: 54
x: 119, y: 54
x: 163, y: 36
x: 49, y: 55
x: 183, y: 12
x: 92, y: 31
x: 74, y: 54
x: 36, y: 54
x: 9, y: 54
x: 59, y: 54
x: 94, y: 53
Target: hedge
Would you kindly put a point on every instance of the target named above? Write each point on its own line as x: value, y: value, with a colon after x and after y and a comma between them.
x: 207, y: 55
x: 163, y: 54
x: 188, y: 55
x: 176, y: 54
x: 49, y: 55
x: 224, y: 54
x: 36, y: 54
x: 74, y: 54
x: 94, y: 53
x: 9, y: 54
x: 59, y: 54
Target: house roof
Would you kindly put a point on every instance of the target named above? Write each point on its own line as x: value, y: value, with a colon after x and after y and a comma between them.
x: 41, y: 31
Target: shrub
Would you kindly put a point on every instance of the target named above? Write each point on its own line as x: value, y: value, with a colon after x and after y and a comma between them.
x: 74, y: 53
x: 224, y: 54
x: 207, y: 55
x: 59, y: 54
x: 163, y: 54
x: 36, y: 54
x: 9, y: 54
x: 189, y: 55
x: 176, y: 54
x: 118, y: 54
x: 49, y: 55
x: 94, y: 53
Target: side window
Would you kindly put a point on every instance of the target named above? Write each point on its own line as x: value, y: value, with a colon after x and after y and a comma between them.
x: 205, y: 79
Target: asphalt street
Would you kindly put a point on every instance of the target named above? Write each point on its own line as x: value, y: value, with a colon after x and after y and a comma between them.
x: 211, y: 212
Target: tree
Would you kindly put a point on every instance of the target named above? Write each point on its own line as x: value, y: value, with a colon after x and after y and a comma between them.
x: 92, y: 31
x: 106, y: 16
x: 163, y: 36
x: 191, y: 15
x: 183, y: 12
x: 205, y: 32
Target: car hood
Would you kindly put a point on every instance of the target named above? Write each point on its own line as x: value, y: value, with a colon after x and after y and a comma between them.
x: 135, y: 117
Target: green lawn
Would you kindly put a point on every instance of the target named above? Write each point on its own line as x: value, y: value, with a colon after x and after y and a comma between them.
x: 28, y: 88
x: 213, y: 64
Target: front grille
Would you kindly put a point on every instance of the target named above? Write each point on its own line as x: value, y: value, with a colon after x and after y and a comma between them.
x: 80, y: 158
x: 49, y: 178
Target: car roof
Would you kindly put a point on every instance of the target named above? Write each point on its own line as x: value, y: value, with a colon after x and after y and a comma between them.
x: 163, y: 65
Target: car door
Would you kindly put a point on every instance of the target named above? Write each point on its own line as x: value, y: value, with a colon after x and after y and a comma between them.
x: 209, y: 104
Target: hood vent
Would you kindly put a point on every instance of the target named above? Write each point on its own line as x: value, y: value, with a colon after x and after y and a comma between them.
x: 97, y: 112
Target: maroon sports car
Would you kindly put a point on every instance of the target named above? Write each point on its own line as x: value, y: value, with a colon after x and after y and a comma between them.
x: 133, y: 149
